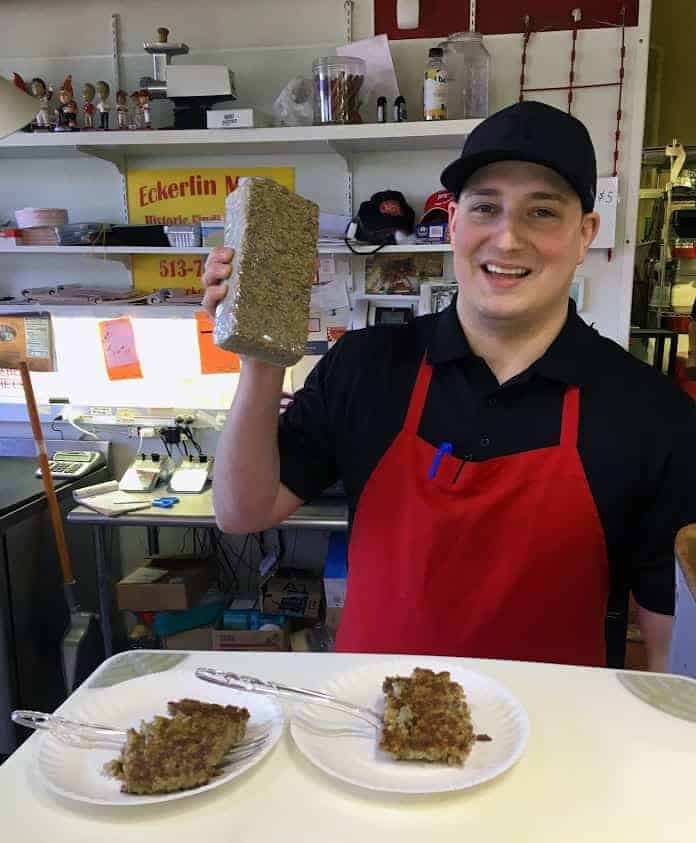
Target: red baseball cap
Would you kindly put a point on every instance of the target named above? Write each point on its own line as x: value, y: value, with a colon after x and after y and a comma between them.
x: 438, y: 201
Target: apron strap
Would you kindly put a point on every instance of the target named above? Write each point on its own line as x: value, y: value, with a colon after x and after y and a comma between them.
x: 570, y: 423
x: 418, y: 397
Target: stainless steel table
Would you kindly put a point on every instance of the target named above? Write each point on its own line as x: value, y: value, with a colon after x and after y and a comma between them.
x: 191, y: 511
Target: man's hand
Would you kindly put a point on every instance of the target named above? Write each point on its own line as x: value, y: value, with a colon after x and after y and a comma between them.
x: 218, y: 268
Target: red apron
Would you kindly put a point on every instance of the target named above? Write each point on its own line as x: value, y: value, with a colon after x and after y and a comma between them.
x: 498, y: 559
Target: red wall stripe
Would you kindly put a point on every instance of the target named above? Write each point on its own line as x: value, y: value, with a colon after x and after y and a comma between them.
x: 439, y: 18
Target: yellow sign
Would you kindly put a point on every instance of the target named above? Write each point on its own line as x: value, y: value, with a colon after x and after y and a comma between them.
x: 185, y: 195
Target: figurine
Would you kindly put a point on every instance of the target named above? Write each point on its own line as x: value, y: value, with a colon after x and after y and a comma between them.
x: 88, y: 94
x: 142, y: 109
x: 103, y: 106
x: 43, y: 94
x: 122, y: 109
x: 67, y: 110
x: 22, y: 85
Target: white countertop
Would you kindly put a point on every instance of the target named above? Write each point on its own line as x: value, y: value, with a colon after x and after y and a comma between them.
x: 601, y: 765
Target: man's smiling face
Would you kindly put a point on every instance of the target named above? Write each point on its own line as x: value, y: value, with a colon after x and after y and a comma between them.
x: 518, y: 233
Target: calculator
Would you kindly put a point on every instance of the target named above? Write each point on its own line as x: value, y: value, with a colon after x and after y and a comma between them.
x: 73, y: 464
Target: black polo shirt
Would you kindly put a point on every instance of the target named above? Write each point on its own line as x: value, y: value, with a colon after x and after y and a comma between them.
x: 637, y: 429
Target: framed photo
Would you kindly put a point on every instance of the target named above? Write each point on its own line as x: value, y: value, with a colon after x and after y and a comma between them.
x: 401, y: 274
x: 436, y: 296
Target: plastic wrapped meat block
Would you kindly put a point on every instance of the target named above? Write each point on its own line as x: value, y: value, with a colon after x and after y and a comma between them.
x: 274, y: 235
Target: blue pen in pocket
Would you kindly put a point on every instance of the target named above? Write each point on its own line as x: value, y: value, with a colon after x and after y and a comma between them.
x: 445, y: 448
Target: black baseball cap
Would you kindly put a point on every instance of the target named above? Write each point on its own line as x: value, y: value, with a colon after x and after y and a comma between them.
x: 534, y: 132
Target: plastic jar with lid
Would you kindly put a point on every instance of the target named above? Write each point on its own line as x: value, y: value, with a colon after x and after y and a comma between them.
x: 469, y: 71
x: 337, y: 89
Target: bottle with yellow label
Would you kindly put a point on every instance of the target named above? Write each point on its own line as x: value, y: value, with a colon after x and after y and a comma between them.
x: 435, y: 87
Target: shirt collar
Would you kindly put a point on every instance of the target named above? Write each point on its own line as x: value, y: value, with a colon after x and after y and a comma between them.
x: 568, y: 359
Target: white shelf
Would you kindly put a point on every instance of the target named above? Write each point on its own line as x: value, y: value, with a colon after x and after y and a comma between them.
x: 344, y: 140
x: 108, y: 251
x: 382, y: 297
x: 365, y: 249
x: 103, y: 309
x: 102, y: 251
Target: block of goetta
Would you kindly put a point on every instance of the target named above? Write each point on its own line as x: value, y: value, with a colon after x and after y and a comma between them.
x: 426, y: 718
x: 179, y: 752
x: 274, y: 235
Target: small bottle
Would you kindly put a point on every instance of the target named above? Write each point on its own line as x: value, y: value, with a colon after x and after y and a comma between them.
x: 382, y: 110
x: 435, y: 87
x: 400, y: 110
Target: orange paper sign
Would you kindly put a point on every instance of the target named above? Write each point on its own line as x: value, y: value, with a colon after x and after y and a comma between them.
x: 118, y: 344
x: 214, y: 360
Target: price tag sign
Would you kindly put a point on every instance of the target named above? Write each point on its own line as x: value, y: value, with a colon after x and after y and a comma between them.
x: 179, y: 196
x: 606, y: 205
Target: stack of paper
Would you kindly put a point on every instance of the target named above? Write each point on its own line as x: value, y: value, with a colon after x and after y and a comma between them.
x: 107, y: 499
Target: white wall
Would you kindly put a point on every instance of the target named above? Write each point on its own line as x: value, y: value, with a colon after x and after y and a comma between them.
x: 265, y: 42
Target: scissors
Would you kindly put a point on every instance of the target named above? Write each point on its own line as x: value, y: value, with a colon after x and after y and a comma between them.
x: 164, y: 503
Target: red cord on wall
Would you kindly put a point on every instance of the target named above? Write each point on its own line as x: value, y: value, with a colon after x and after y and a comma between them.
x: 577, y: 15
x: 525, y: 44
x: 619, y: 110
x: 571, y: 87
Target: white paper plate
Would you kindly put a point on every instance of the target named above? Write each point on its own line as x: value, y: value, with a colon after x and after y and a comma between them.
x: 348, y: 749
x: 78, y: 773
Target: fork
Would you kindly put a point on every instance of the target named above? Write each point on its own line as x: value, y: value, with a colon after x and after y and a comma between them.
x: 261, y: 686
x: 77, y: 733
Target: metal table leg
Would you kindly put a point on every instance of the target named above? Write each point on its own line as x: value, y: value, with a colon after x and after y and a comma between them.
x: 153, y: 540
x: 673, y: 345
x: 103, y: 588
x: 659, y: 360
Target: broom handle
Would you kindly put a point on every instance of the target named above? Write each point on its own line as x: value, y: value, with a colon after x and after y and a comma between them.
x: 56, y: 520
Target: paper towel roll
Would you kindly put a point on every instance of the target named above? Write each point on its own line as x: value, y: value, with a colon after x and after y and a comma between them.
x: 407, y: 14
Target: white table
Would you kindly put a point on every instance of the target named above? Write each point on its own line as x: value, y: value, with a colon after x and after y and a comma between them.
x: 601, y: 765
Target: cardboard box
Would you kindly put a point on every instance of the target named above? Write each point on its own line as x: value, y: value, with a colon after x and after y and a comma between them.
x: 246, y: 639
x: 165, y: 583
x: 237, y: 118
x: 192, y: 639
x: 296, y: 594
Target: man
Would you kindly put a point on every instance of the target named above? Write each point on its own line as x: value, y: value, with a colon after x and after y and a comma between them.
x: 508, y: 469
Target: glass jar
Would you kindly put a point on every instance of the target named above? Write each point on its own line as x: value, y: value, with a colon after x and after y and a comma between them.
x: 469, y: 72
x: 337, y: 84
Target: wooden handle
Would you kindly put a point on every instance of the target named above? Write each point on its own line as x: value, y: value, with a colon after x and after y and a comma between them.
x: 56, y: 520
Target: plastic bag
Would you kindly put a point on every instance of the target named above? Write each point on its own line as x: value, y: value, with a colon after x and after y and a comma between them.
x: 295, y: 103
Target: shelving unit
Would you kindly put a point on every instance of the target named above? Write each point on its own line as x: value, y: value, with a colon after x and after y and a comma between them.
x: 118, y: 147
x: 343, y: 140
x: 674, y: 158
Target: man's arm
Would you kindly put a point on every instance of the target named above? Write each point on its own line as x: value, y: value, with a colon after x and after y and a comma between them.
x: 247, y: 492
x: 656, y: 630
